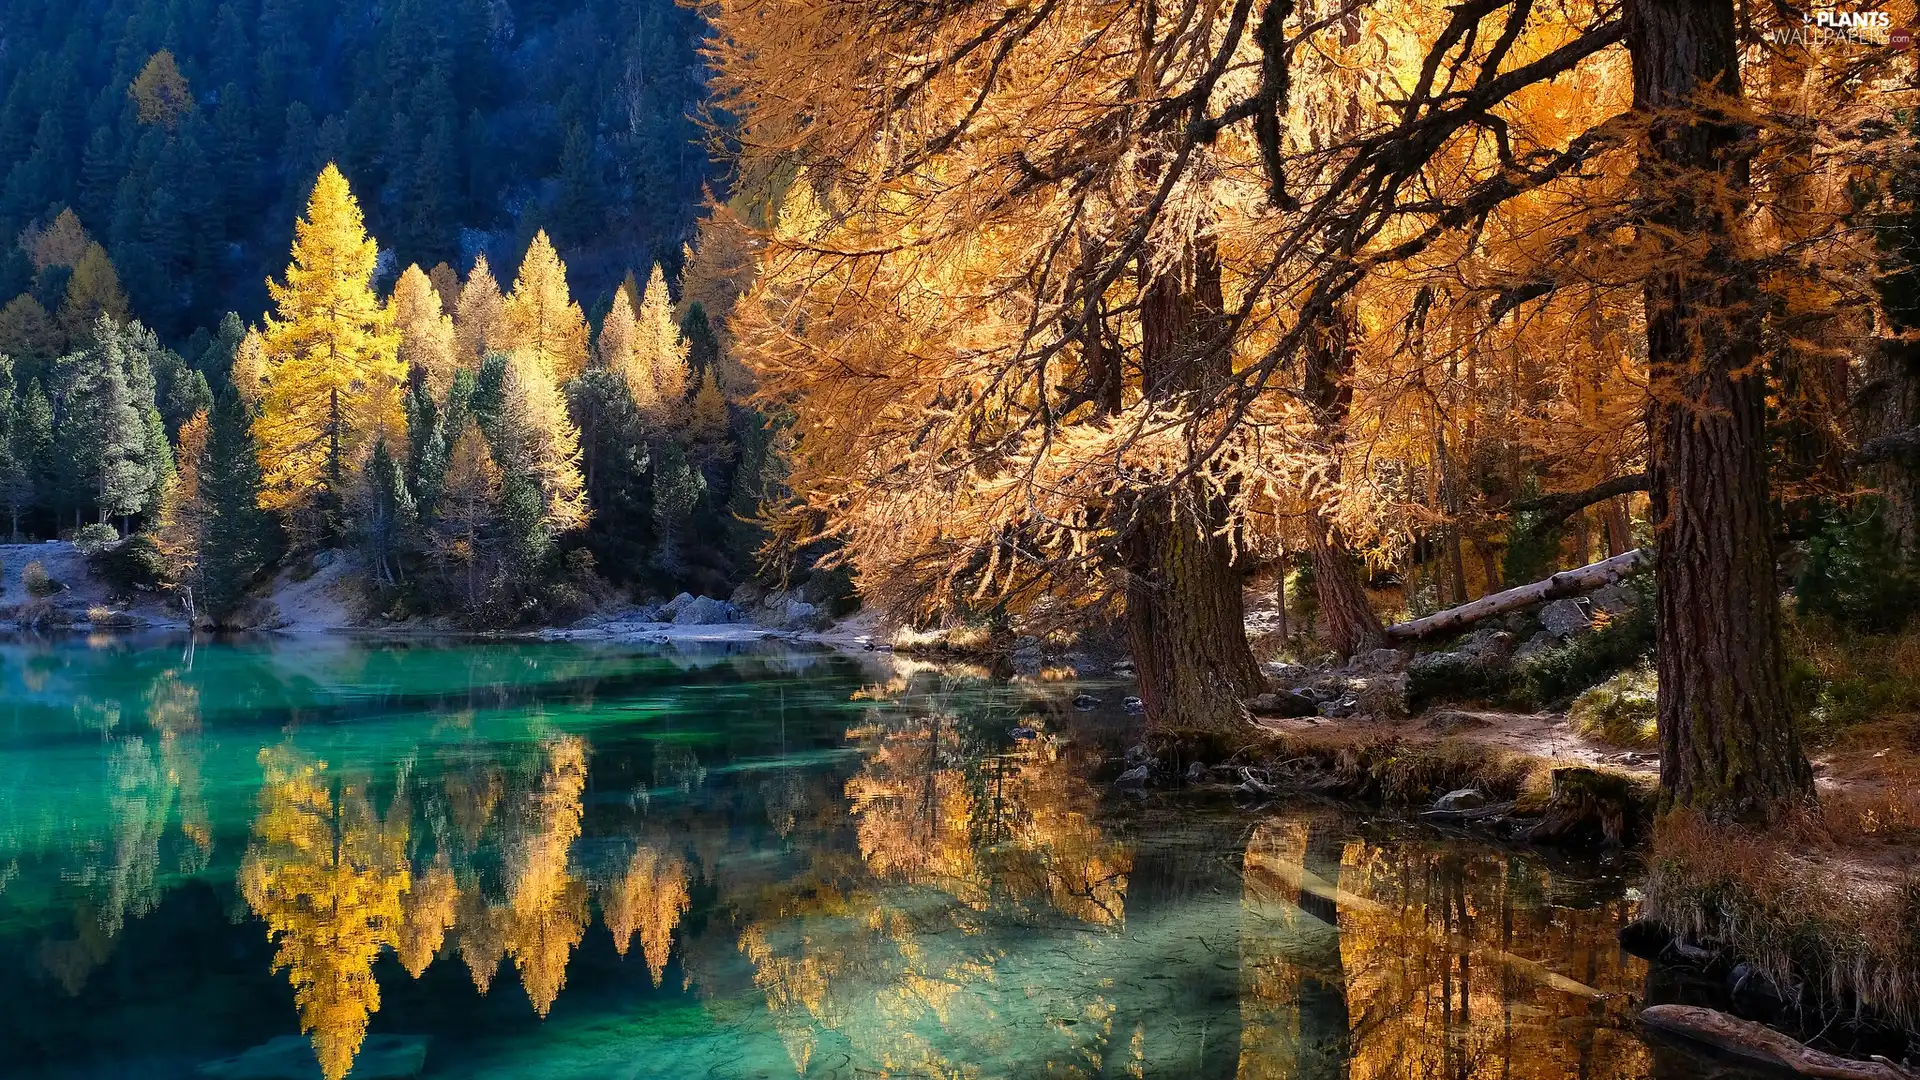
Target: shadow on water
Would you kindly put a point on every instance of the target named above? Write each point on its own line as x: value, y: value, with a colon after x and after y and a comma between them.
x: 559, y: 860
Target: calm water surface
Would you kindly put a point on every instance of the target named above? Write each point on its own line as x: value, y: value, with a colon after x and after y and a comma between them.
x: 555, y: 860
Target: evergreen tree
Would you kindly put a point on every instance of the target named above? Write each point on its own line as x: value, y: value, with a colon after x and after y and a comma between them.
x: 536, y: 441
x: 101, y: 438
x: 677, y: 492
x: 236, y: 538
x: 385, y: 513
x: 464, y: 530
x: 333, y: 376
x: 703, y: 346
x: 28, y: 477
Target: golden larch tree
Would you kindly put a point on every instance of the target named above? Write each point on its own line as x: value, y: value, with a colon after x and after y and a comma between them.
x: 333, y: 373
x: 539, y: 441
x: 540, y: 318
x: 546, y: 904
x: 426, y: 331
x: 93, y: 290
x: 477, y: 313
x: 160, y: 93
x: 327, y: 876
x: 660, y: 353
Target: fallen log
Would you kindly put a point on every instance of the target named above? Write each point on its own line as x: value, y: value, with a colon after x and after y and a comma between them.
x: 1575, y: 582
x: 1761, y: 1043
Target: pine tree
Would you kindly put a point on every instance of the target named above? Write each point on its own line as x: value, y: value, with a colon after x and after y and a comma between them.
x: 101, y: 439
x: 333, y: 376
x: 426, y: 332
x: 28, y: 478
x: 677, y: 490
x: 236, y: 535
x: 707, y: 424
x: 478, y: 314
x: 660, y: 353
x: 540, y: 317
x: 385, y: 513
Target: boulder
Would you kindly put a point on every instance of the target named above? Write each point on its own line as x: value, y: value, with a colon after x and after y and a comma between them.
x: 1282, y: 703
x: 1288, y: 676
x: 1136, y: 777
x: 290, y: 1057
x: 705, y: 611
x: 1134, y: 706
x: 1378, y: 662
x: 1380, y: 696
x: 1487, y: 646
x: 1618, y: 600
x: 1539, y: 644
x: 1338, y: 710
x: 672, y: 607
x: 1565, y: 618
x: 1462, y: 799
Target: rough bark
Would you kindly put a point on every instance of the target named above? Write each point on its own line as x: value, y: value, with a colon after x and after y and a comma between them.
x: 1350, y: 622
x: 1761, y: 1043
x: 1186, y: 622
x: 1576, y: 582
x: 1186, y: 616
x: 1727, y: 739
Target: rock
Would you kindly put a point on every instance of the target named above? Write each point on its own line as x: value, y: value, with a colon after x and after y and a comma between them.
x: 290, y: 1057
x: 324, y: 559
x: 1452, y: 722
x: 1138, y: 753
x: 1487, y: 646
x: 705, y: 611
x: 1288, y: 676
x: 1378, y: 662
x: 1441, y: 665
x: 1136, y: 777
x: 1462, y: 799
x: 1282, y: 703
x: 1341, y: 709
x: 1196, y: 772
x: 1539, y: 644
x: 1565, y: 618
x: 1323, y: 692
x: 1618, y: 600
x: 1124, y: 669
x: 1085, y: 702
x: 1380, y: 696
x: 1023, y: 733
x: 1027, y: 659
x: 672, y: 607
x: 1134, y: 705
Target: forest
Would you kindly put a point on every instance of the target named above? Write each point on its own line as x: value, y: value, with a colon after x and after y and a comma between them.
x: 1025, y: 325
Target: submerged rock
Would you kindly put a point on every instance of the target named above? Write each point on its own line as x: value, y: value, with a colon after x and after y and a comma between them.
x: 290, y: 1057
x: 1085, y: 702
x: 1134, y: 705
x: 1136, y: 777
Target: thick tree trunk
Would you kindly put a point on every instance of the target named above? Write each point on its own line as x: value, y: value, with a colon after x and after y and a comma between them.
x: 1349, y: 619
x: 1727, y: 740
x: 1186, y: 622
x: 1186, y: 617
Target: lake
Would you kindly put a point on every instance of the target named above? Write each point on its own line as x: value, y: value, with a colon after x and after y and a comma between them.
x: 286, y: 857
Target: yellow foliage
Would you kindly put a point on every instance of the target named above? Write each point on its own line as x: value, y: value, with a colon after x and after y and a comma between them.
x: 333, y: 377
x: 159, y: 92
x: 546, y: 906
x: 540, y: 318
x: 477, y: 315
x: 426, y: 331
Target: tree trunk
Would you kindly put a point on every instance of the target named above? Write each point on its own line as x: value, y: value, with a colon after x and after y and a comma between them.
x: 1727, y: 740
x: 1186, y: 616
x: 1350, y: 621
x: 1576, y: 582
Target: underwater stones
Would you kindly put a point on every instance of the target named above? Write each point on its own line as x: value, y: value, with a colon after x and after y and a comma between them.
x: 1134, y: 706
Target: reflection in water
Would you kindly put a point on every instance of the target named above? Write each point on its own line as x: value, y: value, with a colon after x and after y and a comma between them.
x: 887, y: 886
x: 326, y: 874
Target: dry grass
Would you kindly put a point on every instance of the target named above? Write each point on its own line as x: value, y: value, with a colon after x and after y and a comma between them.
x: 105, y: 618
x: 1620, y: 711
x: 962, y: 641
x: 1798, y: 903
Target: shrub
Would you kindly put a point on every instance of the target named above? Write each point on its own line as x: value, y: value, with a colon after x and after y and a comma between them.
x: 91, y: 540
x: 1620, y: 711
x: 1855, y: 574
x: 1591, y: 658
x: 104, y: 618
x: 128, y: 566
x: 38, y: 584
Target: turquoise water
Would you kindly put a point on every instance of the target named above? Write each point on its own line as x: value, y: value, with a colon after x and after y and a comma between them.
x: 557, y: 860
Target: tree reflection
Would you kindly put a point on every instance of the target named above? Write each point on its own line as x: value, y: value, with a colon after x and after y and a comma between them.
x: 327, y: 875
